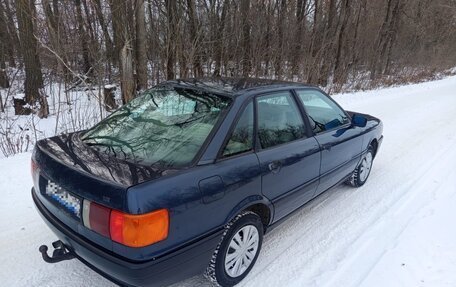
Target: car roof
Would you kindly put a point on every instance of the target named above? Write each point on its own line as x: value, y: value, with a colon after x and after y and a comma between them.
x: 230, y: 86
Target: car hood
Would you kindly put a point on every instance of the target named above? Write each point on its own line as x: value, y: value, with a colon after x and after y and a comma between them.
x: 70, y: 151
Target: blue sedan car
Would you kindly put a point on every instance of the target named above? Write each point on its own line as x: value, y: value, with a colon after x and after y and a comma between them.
x: 189, y: 176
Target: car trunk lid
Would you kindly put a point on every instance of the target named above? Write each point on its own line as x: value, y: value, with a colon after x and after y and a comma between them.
x: 66, y: 162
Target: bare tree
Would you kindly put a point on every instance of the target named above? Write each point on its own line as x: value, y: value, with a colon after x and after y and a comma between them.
x: 4, y: 82
x: 324, y: 42
x: 245, y: 14
x: 194, y: 36
x: 339, y: 64
x: 171, y: 31
x: 385, y: 39
x: 33, y: 76
x: 140, y: 47
x: 87, y: 67
x: 9, y: 34
x: 123, y: 38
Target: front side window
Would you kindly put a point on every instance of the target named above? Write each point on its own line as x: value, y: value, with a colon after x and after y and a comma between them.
x: 164, y: 126
x: 323, y: 113
x: 241, y: 140
x: 279, y: 120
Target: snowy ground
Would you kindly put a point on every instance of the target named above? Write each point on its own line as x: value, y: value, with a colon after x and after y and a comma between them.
x: 397, y: 230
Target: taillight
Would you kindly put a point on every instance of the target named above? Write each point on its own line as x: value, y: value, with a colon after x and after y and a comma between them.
x: 127, y: 229
x: 139, y: 230
x: 96, y: 217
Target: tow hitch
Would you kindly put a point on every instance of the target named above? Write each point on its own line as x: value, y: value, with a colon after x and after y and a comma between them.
x: 60, y: 253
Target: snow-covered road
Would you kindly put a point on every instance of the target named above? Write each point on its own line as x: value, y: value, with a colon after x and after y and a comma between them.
x: 396, y: 230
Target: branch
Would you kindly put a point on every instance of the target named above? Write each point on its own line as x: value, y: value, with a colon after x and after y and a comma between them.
x: 69, y: 69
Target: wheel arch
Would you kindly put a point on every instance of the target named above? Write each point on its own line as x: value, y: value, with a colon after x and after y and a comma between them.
x: 257, y: 204
x: 374, y: 144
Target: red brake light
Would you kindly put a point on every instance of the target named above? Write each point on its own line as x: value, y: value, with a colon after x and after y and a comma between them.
x: 99, y: 219
x: 96, y: 217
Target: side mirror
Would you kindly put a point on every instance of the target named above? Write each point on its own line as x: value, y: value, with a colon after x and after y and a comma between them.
x: 359, y: 121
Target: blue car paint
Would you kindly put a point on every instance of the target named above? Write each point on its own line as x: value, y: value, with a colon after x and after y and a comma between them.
x: 204, y: 197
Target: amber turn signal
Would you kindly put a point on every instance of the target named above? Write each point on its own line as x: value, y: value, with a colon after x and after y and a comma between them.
x: 139, y: 230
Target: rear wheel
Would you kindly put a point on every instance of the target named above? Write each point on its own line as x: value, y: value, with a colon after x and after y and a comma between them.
x: 237, y: 251
x: 362, y: 172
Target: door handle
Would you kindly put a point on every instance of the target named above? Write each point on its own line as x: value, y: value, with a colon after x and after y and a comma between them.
x: 275, y: 166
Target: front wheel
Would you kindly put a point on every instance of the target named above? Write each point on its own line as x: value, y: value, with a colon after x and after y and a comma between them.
x: 362, y: 172
x: 237, y: 251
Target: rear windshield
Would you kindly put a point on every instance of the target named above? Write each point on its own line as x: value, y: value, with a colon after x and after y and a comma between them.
x: 162, y: 126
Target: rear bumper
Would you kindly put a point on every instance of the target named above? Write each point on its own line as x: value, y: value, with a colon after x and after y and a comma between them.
x: 162, y: 271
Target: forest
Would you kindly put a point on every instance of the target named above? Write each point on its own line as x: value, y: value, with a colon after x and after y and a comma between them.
x: 114, y: 49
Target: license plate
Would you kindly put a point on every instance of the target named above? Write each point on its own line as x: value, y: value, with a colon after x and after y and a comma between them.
x: 63, y: 199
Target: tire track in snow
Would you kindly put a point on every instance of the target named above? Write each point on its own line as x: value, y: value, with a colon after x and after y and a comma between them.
x: 399, y: 216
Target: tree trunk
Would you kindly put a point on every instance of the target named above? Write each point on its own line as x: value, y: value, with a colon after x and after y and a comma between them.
x: 301, y: 6
x: 127, y: 80
x: 33, y: 77
x: 193, y: 22
x: 123, y: 34
x: 141, y: 50
x: 4, y: 82
x: 326, y: 53
x: 111, y: 58
x: 278, y: 65
x: 219, y: 44
x: 11, y: 37
x: 312, y: 66
x: 339, y: 69
x: 245, y: 11
x: 118, y: 28
x: 386, y: 38
x: 87, y: 67
x: 267, y: 43
x: 354, y: 59
x: 53, y: 28
x: 170, y: 38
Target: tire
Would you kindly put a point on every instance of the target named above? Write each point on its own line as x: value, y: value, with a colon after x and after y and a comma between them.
x: 220, y: 273
x: 362, y: 172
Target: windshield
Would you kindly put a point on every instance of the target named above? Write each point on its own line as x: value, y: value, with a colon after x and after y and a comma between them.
x: 162, y: 126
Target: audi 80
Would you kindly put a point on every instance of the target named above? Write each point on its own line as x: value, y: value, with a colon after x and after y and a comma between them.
x: 188, y: 177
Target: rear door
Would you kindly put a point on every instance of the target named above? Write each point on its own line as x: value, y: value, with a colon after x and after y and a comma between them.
x: 289, y: 159
x: 340, y: 142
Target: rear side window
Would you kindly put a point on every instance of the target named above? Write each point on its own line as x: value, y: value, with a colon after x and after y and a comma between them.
x: 241, y: 140
x: 279, y: 120
x: 323, y: 113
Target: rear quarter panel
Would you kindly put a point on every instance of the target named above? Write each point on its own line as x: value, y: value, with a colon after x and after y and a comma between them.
x: 193, y: 215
